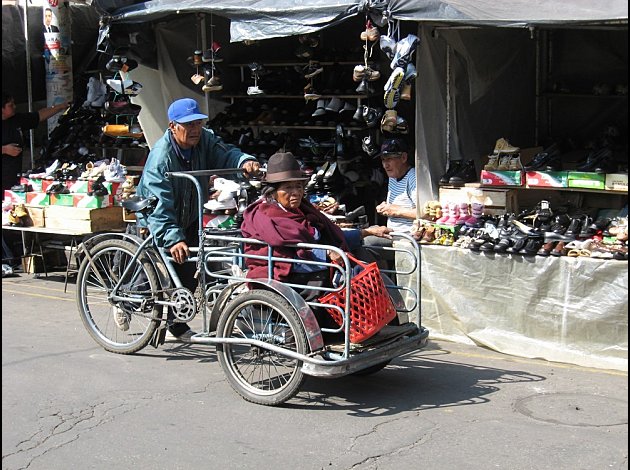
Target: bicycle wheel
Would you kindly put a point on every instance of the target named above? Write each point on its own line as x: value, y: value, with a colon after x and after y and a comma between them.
x: 124, y: 327
x: 257, y: 374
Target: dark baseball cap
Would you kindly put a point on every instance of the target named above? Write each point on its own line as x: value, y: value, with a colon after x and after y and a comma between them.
x: 392, y: 147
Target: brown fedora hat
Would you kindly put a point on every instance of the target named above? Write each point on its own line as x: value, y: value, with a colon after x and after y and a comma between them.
x: 283, y: 167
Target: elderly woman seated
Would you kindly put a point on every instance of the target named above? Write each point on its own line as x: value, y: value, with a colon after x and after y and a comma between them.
x: 282, y: 216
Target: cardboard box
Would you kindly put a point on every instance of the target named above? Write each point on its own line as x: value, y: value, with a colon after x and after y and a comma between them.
x: 62, y: 200
x: 502, y: 178
x: 78, y: 186
x: 587, y: 180
x: 84, y: 200
x: 15, y: 197
x: 38, y: 199
x: 36, y: 217
x: 616, y: 182
x: 547, y: 179
x: 46, y: 184
x: 83, y: 219
x: 36, y: 183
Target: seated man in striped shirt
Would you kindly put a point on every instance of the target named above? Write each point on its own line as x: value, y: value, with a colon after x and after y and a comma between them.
x: 400, y: 204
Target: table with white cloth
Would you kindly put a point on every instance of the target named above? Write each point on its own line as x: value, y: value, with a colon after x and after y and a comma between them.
x: 563, y: 309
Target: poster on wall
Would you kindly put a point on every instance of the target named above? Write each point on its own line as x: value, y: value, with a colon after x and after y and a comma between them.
x: 56, y: 29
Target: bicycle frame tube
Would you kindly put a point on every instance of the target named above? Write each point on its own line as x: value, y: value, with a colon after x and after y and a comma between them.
x: 192, y: 176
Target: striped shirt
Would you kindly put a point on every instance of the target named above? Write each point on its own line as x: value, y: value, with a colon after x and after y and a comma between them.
x: 402, y: 192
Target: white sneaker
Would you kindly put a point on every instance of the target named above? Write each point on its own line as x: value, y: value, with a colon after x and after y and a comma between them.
x: 254, y: 90
x: 121, y: 318
x: 215, y: 205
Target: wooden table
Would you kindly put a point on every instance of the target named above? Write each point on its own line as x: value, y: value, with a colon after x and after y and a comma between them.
x: 36, y: 246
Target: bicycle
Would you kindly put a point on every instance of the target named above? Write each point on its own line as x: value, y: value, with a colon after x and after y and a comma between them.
x: 266, y: 335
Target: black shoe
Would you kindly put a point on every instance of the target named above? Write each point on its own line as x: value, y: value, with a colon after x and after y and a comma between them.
x: 545, y: 161
x: 454, y: 168
x: 600, y: 161
x: 467, y: 174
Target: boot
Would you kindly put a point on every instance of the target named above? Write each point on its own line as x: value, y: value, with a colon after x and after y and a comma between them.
x: 475, y: 215
x: 463, y: 214
x: 503, y: 146
x: 453, y: 168
x: 453, y: 209
x: 467, y: 174
x: 446, y: 214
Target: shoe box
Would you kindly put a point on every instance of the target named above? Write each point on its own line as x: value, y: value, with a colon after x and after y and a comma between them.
x: 15, y: 197
x: 586, y: 180
x: 37, y: 199
x: 502, y: 178
x: 85, y: 219
x: 616, y: 182
x: 218, y: 221
x: 35, y: 183
x: 547, y: 179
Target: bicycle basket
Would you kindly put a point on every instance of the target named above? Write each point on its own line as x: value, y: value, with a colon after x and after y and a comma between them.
x: 371, y: 307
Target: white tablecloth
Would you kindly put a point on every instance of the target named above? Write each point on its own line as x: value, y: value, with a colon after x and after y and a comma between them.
x: 572, y: 310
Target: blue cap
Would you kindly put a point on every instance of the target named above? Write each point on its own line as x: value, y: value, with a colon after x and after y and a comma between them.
x: 185, y: 110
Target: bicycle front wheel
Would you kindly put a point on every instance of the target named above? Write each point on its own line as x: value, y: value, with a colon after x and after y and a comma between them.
x: 257, y: 374
x: 120, y: 327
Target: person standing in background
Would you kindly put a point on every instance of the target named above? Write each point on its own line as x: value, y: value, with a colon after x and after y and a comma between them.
x: 13, y: 127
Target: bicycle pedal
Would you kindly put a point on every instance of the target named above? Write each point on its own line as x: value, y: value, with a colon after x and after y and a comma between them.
x: 159, y: 336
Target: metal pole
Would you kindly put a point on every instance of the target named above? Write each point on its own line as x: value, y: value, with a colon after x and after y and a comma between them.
x: 29, y: 86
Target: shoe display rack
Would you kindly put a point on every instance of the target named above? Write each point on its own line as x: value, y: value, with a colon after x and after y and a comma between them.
x: 331, y: 103
x: 599, y: 91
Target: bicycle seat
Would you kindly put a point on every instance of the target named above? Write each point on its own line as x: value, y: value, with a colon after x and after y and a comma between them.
x: 140, y: 204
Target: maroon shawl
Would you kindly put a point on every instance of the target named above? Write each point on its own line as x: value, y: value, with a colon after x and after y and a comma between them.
x: 278, y: 227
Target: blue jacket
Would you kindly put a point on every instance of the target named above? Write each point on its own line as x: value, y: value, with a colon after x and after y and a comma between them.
x: 177, y: 208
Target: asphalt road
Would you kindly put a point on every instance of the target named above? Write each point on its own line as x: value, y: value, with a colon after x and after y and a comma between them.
x: 68, y: 404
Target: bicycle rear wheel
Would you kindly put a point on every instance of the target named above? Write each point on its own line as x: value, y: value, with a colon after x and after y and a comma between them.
x: 120, y: 327
x: 257, y: 374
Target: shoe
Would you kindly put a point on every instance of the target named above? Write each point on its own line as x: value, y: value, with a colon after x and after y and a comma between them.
x: 121, y: 318
x: 503, y: 146
x: 392, y: 87
x: 467, y: 174
x: 254, y: 90
x: 364, y: 87
x: 388, y: 122
x: 404, y: 51
x: 371, y: 33
x: 388, y: 46
x: 405, y: 91
x: 493, y: 163
x: 119, y: 85
x: 334, y: 105
x: 122, y: 107
x: 347, y: 108
x: 186, y: 337
x: 371, y: 75
x: 312, y: 69
x: 454, y: 168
